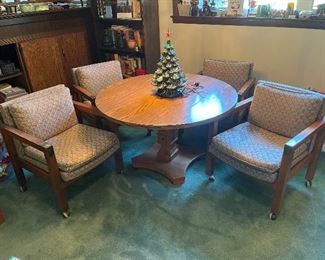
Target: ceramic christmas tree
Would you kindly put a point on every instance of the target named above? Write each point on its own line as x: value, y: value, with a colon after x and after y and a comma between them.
x: 169, y: 78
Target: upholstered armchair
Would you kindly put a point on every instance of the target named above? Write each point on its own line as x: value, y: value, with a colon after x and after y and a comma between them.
x: 43, y: 136
x: 284, y: 132
x: 90, y: 79
x: 238, y: 74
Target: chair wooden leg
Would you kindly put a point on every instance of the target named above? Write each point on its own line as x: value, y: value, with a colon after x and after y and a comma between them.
x: 61, y: 200
x: 278, y: 196
x: 20, y: 177
x: 148, y: 132
x: 311, y: 169
x: 210, y: 165
x: 180, y: 133
x: 119, y: 161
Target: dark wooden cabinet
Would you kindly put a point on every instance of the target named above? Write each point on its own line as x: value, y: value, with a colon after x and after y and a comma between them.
x: 48, y: 61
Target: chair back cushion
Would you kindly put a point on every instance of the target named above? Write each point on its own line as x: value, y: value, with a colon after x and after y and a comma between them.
x: 96, y: 76
x: 44, y: 115
x: 235, y: 73
x: 284, y: 109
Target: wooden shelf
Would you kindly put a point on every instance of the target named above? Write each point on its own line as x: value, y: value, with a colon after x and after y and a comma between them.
x: 15, y: 75
x: 122, y: 51
x: 137, y: 23
x: 252, y: 21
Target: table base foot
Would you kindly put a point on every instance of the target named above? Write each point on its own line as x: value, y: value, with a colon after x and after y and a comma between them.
x: 174, y: 170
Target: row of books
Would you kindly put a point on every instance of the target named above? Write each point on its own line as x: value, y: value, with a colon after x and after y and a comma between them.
x: 7, y: 92
x: 123, y: 37
x: 131, y: 66
x: 121, y: 9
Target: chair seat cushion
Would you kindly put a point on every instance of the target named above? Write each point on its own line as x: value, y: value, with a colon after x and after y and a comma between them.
x: 77, y: 146
x: 255, y: 149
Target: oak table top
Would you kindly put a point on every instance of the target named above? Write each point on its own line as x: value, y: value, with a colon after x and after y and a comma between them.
x: 133, y: 102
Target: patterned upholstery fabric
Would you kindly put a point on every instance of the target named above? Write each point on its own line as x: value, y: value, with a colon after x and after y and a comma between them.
x: 253, y: 150
x: 235, y: 73
x: 68, y: 176
x: 96, y: 76
x: 7, y: 117
x: 284, y: 109
x: 47, y: 116
x: 76, y: 147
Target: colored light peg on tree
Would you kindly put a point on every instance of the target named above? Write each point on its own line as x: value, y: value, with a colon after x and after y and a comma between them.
x: 168, y: 34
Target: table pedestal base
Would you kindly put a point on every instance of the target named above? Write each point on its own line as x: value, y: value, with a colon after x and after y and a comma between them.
x: 167, y: 158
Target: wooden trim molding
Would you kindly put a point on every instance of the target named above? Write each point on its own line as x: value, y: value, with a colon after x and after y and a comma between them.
x: 247, y: 21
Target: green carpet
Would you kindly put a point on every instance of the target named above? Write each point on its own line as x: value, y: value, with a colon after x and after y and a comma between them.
x: 140, y: 215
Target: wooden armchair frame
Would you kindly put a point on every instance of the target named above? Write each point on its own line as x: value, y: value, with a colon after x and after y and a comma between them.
x: 315, y: 133
x: 52, y: 176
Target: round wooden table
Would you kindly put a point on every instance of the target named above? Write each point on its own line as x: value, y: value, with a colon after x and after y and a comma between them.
x: 133, y: 102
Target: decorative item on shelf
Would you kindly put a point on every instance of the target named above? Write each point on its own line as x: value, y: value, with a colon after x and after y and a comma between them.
x: 263, y: 11
x: 184, y: 7
x: 169, y: 78
x: 290, y: 10
x: 213, y: 8
x: 252, y: 8
x: 7, y: 68
x: 205, y: 11
x: 194, y: 8
x: 235, y: 7
x: 124, y: 9
x: 321, y: 10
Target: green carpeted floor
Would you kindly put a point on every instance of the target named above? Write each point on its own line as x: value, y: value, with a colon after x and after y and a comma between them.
x: 140, y: 215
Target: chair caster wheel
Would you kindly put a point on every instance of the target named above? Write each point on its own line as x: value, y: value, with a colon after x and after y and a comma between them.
x: 65, y: 214
x: 212, y: 178
x: 22, y: 188
x: 272, y: 216
x: 308, y: 183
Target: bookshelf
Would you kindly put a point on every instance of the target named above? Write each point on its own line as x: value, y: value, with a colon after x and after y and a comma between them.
x: 133, y: 39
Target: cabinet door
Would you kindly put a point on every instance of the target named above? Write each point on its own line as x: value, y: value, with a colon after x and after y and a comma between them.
x: 43, y: 63
x: 75, y: 50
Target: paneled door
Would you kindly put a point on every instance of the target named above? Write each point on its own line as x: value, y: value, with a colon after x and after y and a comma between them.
x: 75, y: 51
x: 43, y: 63
x: 49, y: 61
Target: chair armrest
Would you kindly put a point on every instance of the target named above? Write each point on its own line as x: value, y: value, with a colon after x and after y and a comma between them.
x: 241, y: 106
x: 246, y: 89
x: 305, y: 135
x: 26, y: 138
x: 88, y: 109
x: 84, y: 93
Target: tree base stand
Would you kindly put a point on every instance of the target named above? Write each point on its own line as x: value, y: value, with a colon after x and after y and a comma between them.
x: 167, y: 157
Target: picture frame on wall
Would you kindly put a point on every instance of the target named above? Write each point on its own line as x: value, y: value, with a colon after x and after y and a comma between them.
x: 235, y: 7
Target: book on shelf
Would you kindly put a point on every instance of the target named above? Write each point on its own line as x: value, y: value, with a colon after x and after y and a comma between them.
x: 123, y: 37
x: 136, y: 9
x: 131, y: 66
x: 7, y: 94
x: 4, y: 86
